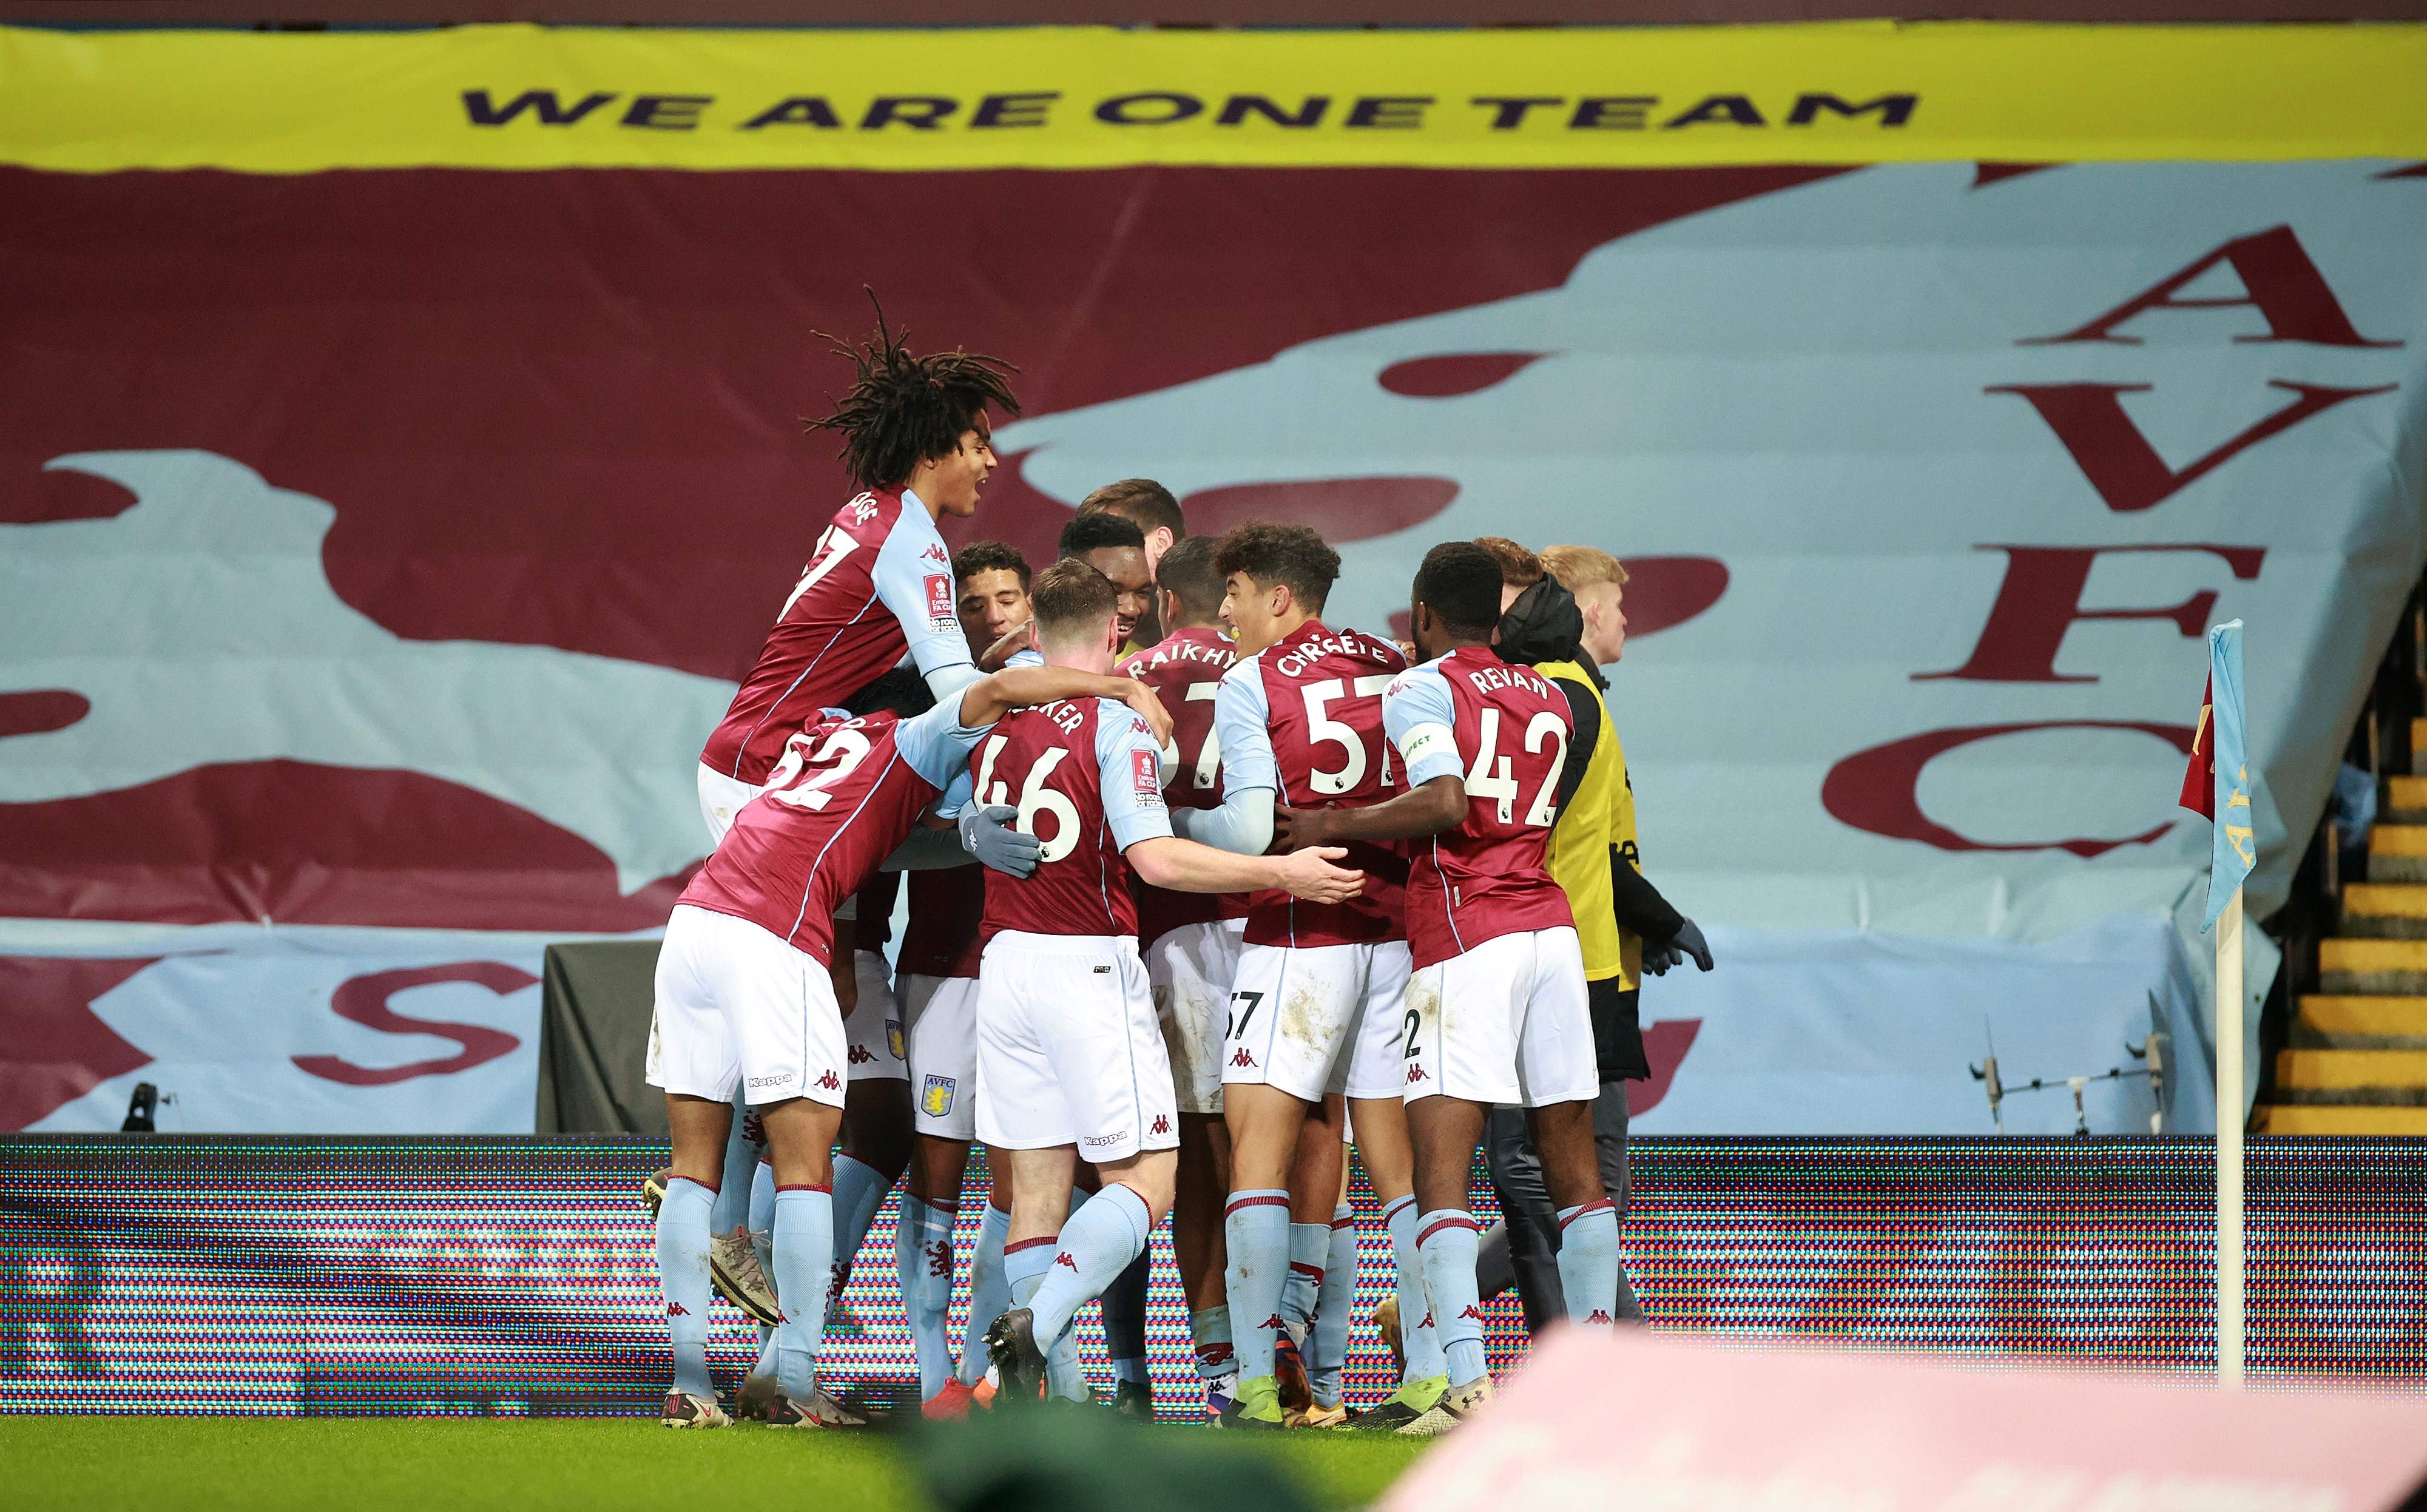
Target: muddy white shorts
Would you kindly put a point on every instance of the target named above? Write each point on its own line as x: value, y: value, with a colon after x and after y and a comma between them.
x: 1191, y: 969
x: 1067, y: 1048
x: 939, y: 1020
x: 1507, y: 1022
x: 720, y: 798
x: 875, y: 1027
x: 1319, y: 1018
x: 738, y: 1006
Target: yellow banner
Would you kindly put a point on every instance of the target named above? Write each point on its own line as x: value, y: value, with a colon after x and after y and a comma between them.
x: 525, y: 97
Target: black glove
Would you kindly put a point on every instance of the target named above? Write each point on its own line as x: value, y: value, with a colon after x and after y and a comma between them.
x: 1657, y: 959
x: 987, y: 834
x: 1688, y: 941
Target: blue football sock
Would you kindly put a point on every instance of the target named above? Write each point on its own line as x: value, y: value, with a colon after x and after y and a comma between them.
x: 859, y: 1190
x: 1024, y: 1265
x: 762, y: 1215
x: 1125, y: 1321
x: 1419, y: 1339
x: 804, y: 1254
x: 1310, y: 1245
x: 682, y: 1278
x: 1588, y: 1261
x: 1328, y: 1351
x: 1209, y: 1328
x: 1255, y: 1227
x: 1098, y: 1243
x: 989, y: 1293
x: 732, y: 1208
x: 1446, y: 1240
x: 922, y: 1261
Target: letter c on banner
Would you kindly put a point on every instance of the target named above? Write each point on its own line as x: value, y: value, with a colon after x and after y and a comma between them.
x: 1877, y: 791
x: 364, y: 1000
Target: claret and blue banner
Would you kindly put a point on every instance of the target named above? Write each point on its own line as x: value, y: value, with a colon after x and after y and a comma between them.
x: 400, y: 460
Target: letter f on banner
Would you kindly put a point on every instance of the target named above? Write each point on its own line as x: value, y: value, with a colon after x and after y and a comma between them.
x: 2218, y: 783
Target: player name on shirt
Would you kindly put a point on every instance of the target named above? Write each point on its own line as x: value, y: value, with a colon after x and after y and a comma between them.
x: 879, y: 583
x: 1304, y: 717
x: 1504, y: 730
x: 1186, y: 670
x: 844, y: 794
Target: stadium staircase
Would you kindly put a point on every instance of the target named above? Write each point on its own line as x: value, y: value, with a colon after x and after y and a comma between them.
x: 2351, y: 1058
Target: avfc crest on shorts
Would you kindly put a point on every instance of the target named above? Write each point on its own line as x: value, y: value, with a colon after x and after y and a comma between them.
x: 936, y: 1097
x: 893, y: 1039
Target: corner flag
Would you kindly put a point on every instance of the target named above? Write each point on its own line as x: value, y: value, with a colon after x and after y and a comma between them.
x: 2235, y: 842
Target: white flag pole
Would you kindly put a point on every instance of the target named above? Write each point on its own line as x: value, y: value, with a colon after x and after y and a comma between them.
x: 2229, y: 1143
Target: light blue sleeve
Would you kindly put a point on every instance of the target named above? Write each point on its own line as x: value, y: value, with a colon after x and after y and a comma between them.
x: 1422, y: 720
x: 937, y: 745
x: 1025, y: 657
x: 1128, y: 773
x: 914, y: 578
x: 1243, y: 723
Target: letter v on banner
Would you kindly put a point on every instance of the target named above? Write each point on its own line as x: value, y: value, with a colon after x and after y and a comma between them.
x: 2223, y: 748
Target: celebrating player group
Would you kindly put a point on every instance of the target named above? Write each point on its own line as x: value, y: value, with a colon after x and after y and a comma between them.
x: 1203, y: 891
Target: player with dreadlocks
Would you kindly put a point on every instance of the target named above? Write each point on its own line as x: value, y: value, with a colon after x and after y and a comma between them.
x: 879, y: 583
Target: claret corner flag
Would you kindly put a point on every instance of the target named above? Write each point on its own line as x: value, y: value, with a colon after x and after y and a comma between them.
x: 2218, y: 783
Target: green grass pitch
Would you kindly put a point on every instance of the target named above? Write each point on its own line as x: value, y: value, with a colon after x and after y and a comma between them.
x: 84, y: 1464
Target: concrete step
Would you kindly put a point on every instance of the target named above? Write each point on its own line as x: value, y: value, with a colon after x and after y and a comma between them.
x: 2378, y: 1077
x: 2397, y: 852
x: 2360, y: 1023
x: 2405, y: 801
x: 2386, y: 910
x: 2354, y: 1119
x: 2371, y: 967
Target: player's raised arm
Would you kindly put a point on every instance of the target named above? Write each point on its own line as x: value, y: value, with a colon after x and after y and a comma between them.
x: 998, y: 694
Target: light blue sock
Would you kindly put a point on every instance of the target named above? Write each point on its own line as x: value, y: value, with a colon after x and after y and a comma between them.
x: 1588, y: 1261
x: 1064, y: 1369
x: 762, y: 1239
x: 1098, y: 1243
x: 1024, y: 1265
x: 922, y: 1261
x: 1210, y: 1330
x: 1447, y: 1240
x: 989, y: 1293
x: 1310, y: 1247
x: 1327, y: 1353
x: 804, y: 1254
x: 1255, y: 1227
x: 1419, y: 1339
x: 859, y: 1190
x: 732, y: 1208
x: 682, y: 1278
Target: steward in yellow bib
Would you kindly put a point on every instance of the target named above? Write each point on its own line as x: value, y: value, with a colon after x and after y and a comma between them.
x: 1564, y: 631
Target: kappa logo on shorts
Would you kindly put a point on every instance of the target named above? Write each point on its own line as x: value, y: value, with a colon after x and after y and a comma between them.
x: 1162, y: 1125
x: 936, y: 1095
x: 1147, y: 770
x: 862, y: 1055
x: 828, y: 1082
x: 1416, y: 1074
x: 1241, y: 1058
x: 939, y: 600
x: 894, y: 1038
x: 771, y: 1081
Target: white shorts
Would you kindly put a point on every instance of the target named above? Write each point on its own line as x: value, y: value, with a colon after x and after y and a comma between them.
x: 1191, y: 969
x: 875, y: 1027
x: 1319, y: 1018
x: 1067, y: 1048
x: 736, y: 1006
x: 939, y: 1018
x: 720, y: 798
x: 1518, y: 1033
